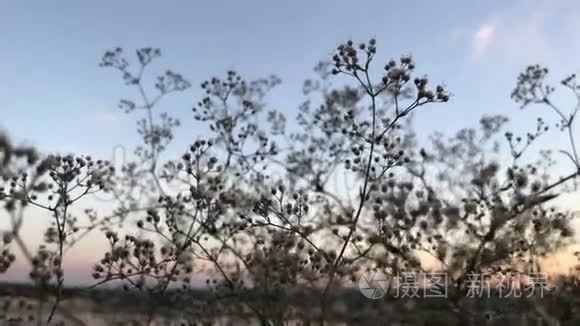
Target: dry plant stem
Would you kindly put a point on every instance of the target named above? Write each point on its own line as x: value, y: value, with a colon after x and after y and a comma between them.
x: 104, y: 221
x: 149, y: 107
x: 367, y: 86
x: 568, y: 124
x: 490, y: 235
x: 263, y: 320
x: 63, y: 311
x: 189, y: 239
x: 363, y: 193
x: 61, y: 224
x: 186, y: 244
x: 16, y: 226
x: 321, y: 190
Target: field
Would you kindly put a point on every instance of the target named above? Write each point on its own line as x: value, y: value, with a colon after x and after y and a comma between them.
x: 116, y: 307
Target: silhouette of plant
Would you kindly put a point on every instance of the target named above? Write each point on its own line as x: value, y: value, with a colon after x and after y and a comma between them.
x: 281, y: 216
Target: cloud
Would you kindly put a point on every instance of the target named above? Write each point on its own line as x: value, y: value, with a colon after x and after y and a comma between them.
x: 525, y: 33
x: 512, y: 37
x: 483, y: 38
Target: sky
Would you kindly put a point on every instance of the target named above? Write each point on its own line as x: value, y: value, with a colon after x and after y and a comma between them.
x: 54, y: 96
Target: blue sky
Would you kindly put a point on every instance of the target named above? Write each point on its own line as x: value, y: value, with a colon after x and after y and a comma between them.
x: 54, y: 95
